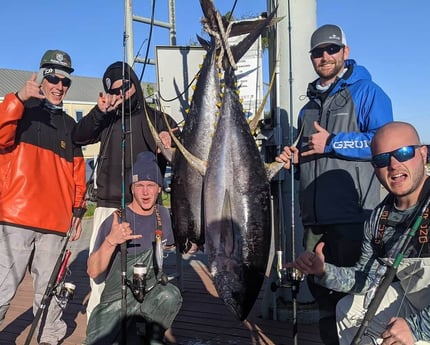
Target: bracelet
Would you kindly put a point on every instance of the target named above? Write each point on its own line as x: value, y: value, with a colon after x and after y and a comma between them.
x: 110, y: 243
x: 19, y: 98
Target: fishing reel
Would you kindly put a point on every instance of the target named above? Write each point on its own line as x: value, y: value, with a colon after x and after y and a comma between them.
x: 64, y: 293
x: 138, y: 285
x: 288, y: 277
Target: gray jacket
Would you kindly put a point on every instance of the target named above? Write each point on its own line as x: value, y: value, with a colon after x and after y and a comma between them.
x: 413, y: 273
x: 339, y: 186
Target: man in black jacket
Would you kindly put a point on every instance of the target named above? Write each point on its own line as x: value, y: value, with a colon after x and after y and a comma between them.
x: 104, y: 124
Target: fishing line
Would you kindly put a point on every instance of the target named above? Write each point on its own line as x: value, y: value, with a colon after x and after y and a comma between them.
x: 232, y: 10
x: 181, y: 94
x: 138, y: 52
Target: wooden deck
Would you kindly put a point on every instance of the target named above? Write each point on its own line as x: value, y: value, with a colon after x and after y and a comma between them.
x: 203, y: 319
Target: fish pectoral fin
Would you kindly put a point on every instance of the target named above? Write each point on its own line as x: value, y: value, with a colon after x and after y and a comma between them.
x: 167, y: 152
x: 198, y: 164
x: 228, y: 226
x: 272, y: 169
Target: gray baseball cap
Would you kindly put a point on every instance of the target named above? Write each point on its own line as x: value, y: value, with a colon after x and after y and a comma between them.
x: 328, y: 34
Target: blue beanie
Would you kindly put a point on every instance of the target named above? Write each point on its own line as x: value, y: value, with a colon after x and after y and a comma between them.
x: 146, y: 169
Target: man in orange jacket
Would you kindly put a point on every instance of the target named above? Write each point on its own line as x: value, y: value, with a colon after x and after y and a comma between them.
x: 42, y: 185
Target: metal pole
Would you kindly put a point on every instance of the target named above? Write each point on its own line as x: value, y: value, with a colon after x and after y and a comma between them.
x: 128, y: 25
x: 172, y: 22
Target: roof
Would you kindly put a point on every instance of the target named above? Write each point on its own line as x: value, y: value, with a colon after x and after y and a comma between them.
x: 83, y: 89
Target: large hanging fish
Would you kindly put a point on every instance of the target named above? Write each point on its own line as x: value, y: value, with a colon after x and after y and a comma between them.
x: 237, y: 208
x: 197, y: 134
x: 236, y: 203
x: 198, y: 131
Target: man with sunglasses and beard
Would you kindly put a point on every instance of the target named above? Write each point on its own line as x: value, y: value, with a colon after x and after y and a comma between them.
x: 42, y: 186
x: 403, y: 315
x: 123, y: 92
x: 338, y: 188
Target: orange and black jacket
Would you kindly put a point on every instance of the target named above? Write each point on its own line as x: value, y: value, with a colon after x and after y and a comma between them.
x: 42, y: 174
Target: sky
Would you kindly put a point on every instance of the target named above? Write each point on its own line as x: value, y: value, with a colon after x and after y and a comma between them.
x: 389, y: 38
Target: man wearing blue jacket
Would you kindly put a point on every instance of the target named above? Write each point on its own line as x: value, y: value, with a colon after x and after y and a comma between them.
x: 338, y: 187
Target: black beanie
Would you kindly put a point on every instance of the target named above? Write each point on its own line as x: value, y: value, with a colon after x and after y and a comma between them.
x: 112, y: 74
x: 146, y: 169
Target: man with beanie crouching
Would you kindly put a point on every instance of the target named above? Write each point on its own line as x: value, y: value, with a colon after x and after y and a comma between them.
x: 153, y: 311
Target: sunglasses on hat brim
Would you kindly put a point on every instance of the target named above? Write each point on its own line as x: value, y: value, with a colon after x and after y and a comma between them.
x: 401, y: 154
x: 53, y: 79
x: 330, y: 49
x: 123, y: 88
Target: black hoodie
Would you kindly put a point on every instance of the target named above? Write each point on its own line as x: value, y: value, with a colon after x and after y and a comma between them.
x: 97, y: 126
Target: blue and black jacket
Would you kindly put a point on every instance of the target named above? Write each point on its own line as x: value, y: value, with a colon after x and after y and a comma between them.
x: 339, y: 186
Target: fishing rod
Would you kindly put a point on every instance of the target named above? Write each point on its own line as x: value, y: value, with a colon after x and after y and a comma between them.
x: 296, y: 277
x: 57, y: 285
x: 122, y: 218
x: 50, y: 288
x: 288, y: 277
x: 389, y: 276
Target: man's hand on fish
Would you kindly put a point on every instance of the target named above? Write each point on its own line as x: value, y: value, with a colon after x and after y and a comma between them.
x: 287, y: 154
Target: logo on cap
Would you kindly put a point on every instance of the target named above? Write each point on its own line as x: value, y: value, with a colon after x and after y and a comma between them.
x: 334, y: 37
x: 59, y: 57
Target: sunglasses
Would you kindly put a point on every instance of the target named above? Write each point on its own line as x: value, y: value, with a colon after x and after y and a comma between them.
x: 123, y: 88
x: 331, y: 49
x: 402, y: 154
x: 53, y: 79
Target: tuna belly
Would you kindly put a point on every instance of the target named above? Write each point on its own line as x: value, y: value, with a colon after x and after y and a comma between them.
x: 237, y: 253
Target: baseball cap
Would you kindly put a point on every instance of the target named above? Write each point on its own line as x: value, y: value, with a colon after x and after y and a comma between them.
x: 55, y: 62
x: 328, y: 34
x: 57, y: 59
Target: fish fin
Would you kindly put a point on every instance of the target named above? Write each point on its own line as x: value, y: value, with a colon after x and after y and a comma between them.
x: 272, y: 169
x: 227, y: 227
x: 198, y: 164
x: 167, y: 152
x: 243, y: 46
x: 246, y: 26
x: 204, y: 43
x: 257, y: 116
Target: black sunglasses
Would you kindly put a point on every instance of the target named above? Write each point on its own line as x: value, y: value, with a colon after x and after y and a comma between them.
x: 123, y: 88
x: 53, y: 79
x: 331, y: 49
x: 402, y: 154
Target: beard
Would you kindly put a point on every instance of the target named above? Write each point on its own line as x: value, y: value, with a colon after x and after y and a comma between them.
x: 326, y: 73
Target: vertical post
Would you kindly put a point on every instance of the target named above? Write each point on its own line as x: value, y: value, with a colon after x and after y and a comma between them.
x: 172, y: 22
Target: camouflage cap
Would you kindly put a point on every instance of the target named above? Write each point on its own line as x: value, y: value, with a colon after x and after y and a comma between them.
x: 58, y: 59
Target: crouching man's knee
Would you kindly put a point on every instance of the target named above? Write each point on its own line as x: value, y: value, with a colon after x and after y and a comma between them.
x: 162, y: 304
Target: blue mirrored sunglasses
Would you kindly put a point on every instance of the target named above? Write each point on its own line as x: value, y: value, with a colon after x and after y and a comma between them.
x: 401, y: 154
